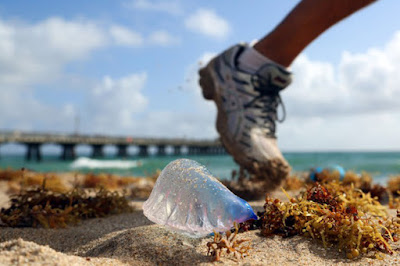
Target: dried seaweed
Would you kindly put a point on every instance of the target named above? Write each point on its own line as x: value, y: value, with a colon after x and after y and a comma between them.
x: 361, y: 181
x: 10, y: 174
x: 394, y: 184
x: 229, y: 245
x: 135, y: 187
x: 393, y: 191
x: 293, y: 182
x: 337, y: 215
x: 40, y: 207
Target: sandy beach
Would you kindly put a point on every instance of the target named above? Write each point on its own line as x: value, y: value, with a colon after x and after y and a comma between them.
x: 131, y: 239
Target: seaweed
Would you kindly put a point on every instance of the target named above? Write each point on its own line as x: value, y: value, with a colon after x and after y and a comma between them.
x: 344, y: 214
x: 394, y: 184
x: 18, y: 179
x: 10, y: 174
x: 337, y: 215
x: 229, y: 244
x: 393, y: 191
x: 325, y: 176
x: 40, y: 207
x: 103, y: 180
x: 135, y: 187
x: 361, y: 181
x: 293, y: 182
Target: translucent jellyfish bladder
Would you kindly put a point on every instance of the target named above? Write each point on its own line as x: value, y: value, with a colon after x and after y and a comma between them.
x: 187, y: 198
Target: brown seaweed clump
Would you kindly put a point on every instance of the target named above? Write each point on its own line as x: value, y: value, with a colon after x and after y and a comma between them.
x: 393, y: 190
x: 17, y: 179
x: 338, y: 216
x: 394, y: 184
x: 10, y: 174
x: 361, y: 181
x: 135, y: 187
x: 40, y: 207
x: 295, y: 181
x: 229, y: 244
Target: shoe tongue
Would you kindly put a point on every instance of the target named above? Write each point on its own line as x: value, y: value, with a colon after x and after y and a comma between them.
x: 273, y: 77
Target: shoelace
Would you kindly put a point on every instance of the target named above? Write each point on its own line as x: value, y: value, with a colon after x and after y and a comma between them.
x: 271, y: 103
x: 268, y: 101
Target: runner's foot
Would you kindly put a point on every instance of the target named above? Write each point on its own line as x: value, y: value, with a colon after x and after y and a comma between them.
x: 247, y: 110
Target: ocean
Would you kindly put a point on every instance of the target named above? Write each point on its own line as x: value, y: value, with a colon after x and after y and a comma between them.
x: 380, y: 165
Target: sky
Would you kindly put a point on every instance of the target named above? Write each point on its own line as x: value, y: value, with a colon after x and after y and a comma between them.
x: 129, y: 68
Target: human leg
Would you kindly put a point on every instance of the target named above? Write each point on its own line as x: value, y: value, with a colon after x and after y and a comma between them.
x: 302, y: 25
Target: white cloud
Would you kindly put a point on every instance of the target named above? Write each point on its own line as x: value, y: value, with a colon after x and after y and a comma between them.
x: 20, y: 109
x: 163, y: 38
x: 207, y: 22
x: 167, y: 123
x: 354, y: 105
x: 113, y: 102
x: 126, y: 37
x: 35, y: 53
x: 378, y: 131
x: 362, y: 83
x: 32, y: 53
x: 58, y: 33
x: 171, y: 7
x: 197, y: 121
x: 114, y: 110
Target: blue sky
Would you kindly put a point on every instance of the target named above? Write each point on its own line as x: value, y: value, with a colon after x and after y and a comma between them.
x: 129, y: 68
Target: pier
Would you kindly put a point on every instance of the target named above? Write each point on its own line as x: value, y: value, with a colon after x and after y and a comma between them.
x: 68, y: 142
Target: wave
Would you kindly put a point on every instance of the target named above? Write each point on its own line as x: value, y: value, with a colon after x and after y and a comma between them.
x: 84, y: 162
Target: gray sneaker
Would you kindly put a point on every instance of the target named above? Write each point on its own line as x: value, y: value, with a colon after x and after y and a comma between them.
x: 247, y: 110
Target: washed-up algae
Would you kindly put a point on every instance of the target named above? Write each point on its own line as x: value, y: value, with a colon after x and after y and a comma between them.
x: 39, y: 207
x: 346, y: 214
x: 228, y: 245
x: 338, y: 216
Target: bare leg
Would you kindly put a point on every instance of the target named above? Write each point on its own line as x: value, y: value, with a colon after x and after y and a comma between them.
x: 302, y: 25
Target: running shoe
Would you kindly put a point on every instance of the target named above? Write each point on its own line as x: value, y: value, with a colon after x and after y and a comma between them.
x: 247, y: 106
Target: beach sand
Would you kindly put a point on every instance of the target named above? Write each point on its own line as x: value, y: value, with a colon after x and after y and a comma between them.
x: 131, y: 239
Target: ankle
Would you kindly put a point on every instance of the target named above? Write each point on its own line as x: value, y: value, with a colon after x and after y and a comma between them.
x: 278, y: 54
x: 252, y: 60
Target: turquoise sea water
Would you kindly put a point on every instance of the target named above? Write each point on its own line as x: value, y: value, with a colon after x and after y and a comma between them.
x: 379, y: 164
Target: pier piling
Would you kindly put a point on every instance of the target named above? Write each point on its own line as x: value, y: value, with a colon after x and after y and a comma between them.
x: 143, y: 151
x: 68, y: 152
x: 33, y: 152
x: 122, y: 150
x: 97, y: 151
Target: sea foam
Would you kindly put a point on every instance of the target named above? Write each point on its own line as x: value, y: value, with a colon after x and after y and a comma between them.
x: 84, y: 162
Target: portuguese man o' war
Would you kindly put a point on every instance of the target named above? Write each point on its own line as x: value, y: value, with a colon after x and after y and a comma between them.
x: 188, y: 199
